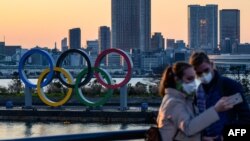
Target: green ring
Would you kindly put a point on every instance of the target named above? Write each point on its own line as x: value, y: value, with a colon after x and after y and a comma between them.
x: 80, y: 95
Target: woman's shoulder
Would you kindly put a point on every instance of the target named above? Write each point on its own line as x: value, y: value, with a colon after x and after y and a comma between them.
x: 170, y: 101
x: 174, y: 95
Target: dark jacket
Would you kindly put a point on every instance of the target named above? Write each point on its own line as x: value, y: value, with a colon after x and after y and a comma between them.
x: 223, y: 86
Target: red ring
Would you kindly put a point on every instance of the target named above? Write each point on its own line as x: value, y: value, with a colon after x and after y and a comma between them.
x: 127, y: 59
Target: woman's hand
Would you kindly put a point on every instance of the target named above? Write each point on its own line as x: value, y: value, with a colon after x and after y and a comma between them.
x: 223, y: 105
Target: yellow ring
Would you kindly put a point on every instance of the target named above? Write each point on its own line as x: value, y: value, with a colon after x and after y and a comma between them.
x: 41, y: 94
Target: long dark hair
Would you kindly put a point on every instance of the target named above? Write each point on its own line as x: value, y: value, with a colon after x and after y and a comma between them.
x: 168, y: 77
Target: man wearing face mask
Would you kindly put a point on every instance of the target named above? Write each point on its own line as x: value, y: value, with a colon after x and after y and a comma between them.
x: 214, y: 86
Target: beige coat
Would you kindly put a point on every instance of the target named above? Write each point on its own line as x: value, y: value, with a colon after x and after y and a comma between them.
x: 177, y: 112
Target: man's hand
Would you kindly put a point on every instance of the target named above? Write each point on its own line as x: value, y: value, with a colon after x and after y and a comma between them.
x: 223, y: 104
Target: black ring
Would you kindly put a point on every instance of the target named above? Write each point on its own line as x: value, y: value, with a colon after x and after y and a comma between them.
x: 85, y: 56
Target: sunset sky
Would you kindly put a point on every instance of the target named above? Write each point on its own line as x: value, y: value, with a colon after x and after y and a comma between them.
x: 43, y: 22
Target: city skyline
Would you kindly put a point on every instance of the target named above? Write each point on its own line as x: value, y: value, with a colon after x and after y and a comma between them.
x: 44, y: 22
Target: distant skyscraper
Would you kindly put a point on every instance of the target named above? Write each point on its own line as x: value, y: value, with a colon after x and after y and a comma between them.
x: 75, y: 43
x: 229, y: 29
x: 104, y: 38
x: 75, y: 38
x: 92, y: 48
x: 180, y: 44
x: 157, y: 41
x: 64, y: 45
x: 202, y: 26
x: 170, y: 43
x: 2, y: 45
x: 131, y: 24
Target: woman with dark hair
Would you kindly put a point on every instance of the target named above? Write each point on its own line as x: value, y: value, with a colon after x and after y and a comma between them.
x: 177, y: 118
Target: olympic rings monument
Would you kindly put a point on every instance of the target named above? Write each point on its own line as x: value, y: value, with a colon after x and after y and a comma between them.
x: 55, y: 70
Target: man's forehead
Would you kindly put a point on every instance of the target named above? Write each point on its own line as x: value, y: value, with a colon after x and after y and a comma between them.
x: 202, y: 66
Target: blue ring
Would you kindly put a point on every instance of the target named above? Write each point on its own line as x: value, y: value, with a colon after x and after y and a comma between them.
x: 24, y: 58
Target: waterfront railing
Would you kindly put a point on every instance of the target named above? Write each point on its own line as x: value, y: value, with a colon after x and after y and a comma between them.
x: 101, y: 136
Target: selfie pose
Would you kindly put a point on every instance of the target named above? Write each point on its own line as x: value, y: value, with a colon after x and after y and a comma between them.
x: 213, y: 87
x: 177, y: 118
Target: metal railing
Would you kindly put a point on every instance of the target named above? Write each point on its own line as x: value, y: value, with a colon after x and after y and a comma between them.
x: 101, y: 136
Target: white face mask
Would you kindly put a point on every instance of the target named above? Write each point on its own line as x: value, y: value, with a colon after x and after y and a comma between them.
x: 189, y: 88
x: 206, y: 78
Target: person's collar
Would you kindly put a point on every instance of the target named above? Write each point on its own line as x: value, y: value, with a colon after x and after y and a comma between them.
x: 175, y: 93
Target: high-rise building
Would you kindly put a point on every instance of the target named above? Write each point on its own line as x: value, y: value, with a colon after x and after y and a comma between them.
x: 75, y: 38
x: 170, y: 43
x: 104, y: 38
x: 157, y: 41
x: 229, y: 29
x: 180, y: 44
x: 2, y: 45
x: 131, y: 24
x: 64, y: 45
x: 203, y: 27
x: 92, y: 48
x: 75, y: 43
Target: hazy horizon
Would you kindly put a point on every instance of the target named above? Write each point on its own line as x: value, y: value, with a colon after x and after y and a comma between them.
x: 43, y: 22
